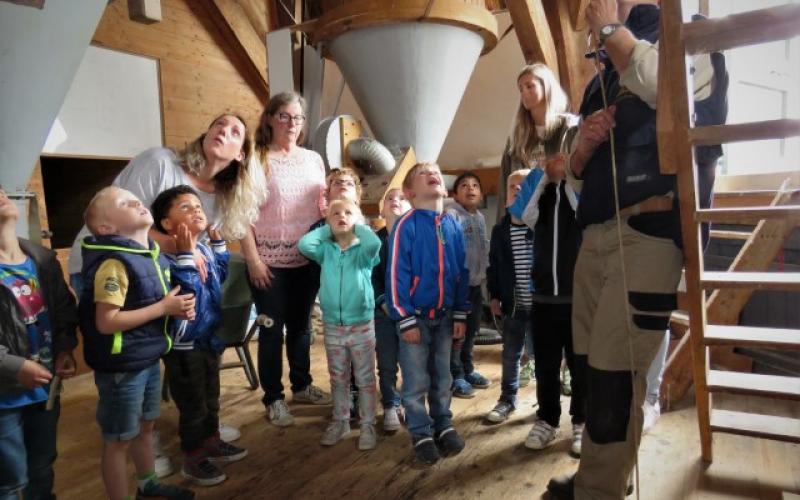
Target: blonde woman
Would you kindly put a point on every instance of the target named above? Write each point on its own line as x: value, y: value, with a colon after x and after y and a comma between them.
x: 281, y: 278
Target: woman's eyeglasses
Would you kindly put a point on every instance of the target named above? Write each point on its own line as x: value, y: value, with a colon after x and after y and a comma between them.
x: 286, y: 117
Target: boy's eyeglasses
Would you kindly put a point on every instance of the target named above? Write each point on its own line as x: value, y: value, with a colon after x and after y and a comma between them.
x: 286, y: 117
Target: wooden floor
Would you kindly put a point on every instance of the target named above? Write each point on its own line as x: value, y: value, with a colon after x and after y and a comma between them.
x: 289, y: 462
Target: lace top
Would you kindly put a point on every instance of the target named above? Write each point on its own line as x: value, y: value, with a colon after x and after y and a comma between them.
x: 295, y: 183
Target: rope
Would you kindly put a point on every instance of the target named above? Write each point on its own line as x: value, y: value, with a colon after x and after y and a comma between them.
x: 628, y: 315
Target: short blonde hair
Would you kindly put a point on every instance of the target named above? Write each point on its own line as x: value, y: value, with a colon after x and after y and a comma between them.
x: 408, y: 181
x: 341, y: 201
x: 93, y: 215
x: 343, y: 172
x: 522, y: 172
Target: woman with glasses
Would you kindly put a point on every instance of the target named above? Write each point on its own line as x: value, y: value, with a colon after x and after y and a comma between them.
x: 280, y: 277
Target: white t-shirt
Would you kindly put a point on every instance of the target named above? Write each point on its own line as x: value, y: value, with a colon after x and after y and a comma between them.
x: 148, y: 174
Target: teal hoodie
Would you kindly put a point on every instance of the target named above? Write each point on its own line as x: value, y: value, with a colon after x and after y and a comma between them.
x: 345, y: 292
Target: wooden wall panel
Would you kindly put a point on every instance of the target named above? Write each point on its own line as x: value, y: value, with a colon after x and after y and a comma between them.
x: 200, y: 77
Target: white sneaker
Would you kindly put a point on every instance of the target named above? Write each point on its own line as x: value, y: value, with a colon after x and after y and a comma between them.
x: 163, y: 464
x: 279, y: 413
x: 652, y: 412
x: 391, y: 419
x: 368, y: 440
x: 541, y: 435
x: 577, y: 433
x: 335, y: 432
x: 228, y: 434
x: 312, y: 395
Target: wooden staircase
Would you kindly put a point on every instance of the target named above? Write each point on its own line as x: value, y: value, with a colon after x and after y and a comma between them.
x: 732, y: 289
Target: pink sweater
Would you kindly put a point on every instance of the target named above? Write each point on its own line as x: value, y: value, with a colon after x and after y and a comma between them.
x: 294, y: 185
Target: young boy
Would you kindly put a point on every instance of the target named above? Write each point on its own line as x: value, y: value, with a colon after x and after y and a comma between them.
x: 509, y: 284
x: 124, y: 319
x: 192, y: 367
x: 37, y: 336
x: 386, y: 341
x: 468, y: 196
x: 546, y: 203
x: 428, y: 284
x: 347, y: 250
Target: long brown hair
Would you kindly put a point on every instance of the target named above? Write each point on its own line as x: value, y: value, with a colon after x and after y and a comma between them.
x: 263, y: 136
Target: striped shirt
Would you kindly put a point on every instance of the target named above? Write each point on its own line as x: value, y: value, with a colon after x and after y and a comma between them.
x: 522, y: 250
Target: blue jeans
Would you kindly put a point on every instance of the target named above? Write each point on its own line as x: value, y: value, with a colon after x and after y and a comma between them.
x: 28, y: 451
x: 426, y: 372
x: 461, y: 358
x: 387, y: 346
x: 516, y: 335
x: 127, y: 398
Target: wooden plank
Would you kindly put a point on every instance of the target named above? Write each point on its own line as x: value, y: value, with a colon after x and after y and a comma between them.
x: 577, y: 9
x: 232, y: 21
x: 738, y: 30
x: 772, y: 386
x: 754, y: 131
x: 256, y: 12
x: 751, y: 336
x: 533, y: 32
x: 574, y: 70
x: 751, y: 280
x: 748, y: 215
x: 755, y: 425
x: 730, y: 235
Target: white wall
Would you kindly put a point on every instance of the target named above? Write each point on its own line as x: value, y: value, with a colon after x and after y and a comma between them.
x: 40, y: 51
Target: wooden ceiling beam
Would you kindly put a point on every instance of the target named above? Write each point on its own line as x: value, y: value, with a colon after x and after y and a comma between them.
x: 577, y: 10
x: 574, y: 70
x: 239, y: 33
x: 533, y: 32
x: 256, y: 11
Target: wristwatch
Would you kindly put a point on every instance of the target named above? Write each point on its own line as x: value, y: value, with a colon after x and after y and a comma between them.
x: 608, y: 30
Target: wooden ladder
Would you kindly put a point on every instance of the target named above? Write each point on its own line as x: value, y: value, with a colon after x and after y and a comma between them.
x: 676, y: 138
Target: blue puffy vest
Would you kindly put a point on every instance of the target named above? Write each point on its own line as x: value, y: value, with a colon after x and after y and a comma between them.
x: 148, y: 283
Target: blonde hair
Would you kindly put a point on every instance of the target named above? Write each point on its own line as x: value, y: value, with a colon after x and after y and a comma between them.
x: 408, y: 180
x: 241, y: 187
x: 522, y: 172
x: 348, y: 202
x: 93, y: 216
x: 342, y: 172
x: 263, y: 135
x: 524, y: 139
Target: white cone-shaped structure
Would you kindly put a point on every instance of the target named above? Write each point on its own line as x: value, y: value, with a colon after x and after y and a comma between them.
x: 407, y: 63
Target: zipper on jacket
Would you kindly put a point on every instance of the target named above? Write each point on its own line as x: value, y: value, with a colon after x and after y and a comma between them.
x: 154, y: 256
x: 555, y: 240
x: 341, y: 277
x: 440, y: 249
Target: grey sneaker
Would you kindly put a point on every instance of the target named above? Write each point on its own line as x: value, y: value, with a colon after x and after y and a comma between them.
x: 541, y: 435
x: 335, y: 432
x: 500, y: 412
x: 577, y: 433
x: 367, y: 440
x: 200, y: 470
x: 391, y: 419
x: 312, y: 395
x: 279, y: 413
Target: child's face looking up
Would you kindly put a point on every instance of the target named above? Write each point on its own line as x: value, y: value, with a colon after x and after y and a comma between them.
x: 342, y: 218
x: 343, y: 187
x: 428, y: 183
x: 468, y: 193
x: 186, y: 209
x: 395, y: 203
x: 124, y: 214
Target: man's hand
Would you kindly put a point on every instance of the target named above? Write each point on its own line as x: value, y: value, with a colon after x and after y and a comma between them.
x: 554, y: 167
x: 600, y: 13
x: 496, y: 308
x: 32, y: 375
x: 65, y: 364
x: 459, y: 329
x: 593, y: 131
x: 412, y: 336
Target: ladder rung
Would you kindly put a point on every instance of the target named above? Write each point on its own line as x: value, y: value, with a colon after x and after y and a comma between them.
x: 730, y: 235
x: 752, y: 336
x: 747, y: 28
x: 758, y: 281
x: 742, y: 215
x: 679, y: 317
x: 755, y: 425
x: 754, y: 384
x: 753, y: 131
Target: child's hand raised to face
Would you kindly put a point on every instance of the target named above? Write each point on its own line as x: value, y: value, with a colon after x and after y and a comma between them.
x: 185, y: 242
x: 214, y: 234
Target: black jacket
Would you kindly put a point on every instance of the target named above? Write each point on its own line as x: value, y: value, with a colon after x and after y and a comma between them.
x: 501, y: 279
x: 61, y: 309
x: 379, y: 271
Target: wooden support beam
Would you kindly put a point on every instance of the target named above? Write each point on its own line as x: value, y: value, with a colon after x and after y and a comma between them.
x: 577, y: 9
x: 574, y: 70
x: 533, y: 32
x: 256, y: 12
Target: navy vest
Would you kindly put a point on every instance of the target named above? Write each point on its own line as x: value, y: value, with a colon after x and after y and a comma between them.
x: 148, y: 283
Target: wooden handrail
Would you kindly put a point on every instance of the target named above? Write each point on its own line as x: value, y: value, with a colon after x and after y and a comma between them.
x: 753, y: 131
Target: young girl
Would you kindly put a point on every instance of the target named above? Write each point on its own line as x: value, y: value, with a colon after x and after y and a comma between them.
x: 347, y: 250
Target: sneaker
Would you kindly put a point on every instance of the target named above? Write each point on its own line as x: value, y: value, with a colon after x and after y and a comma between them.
x: 163, y: 464
x: 566, y: 381
x: 335, y: 432
x: 367, y: 440
x: 279, y: 413
x: 425, y: 450
x: 391, y: 419
x: 228, y: 433
x: 652, y: 412
x: 500, y: 412
x: 477, y: 380
x: 526, y: 374
x: 463, y: 389
x: 164, y: 491
x: 541, y: 435
x: 200, y: 470
x: 312, y: 395
x: 449, y: 442
x: 218, y: 450
x: 577, y: 436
